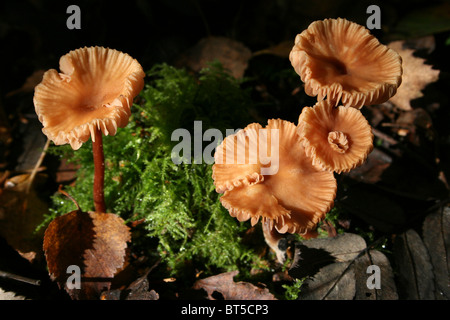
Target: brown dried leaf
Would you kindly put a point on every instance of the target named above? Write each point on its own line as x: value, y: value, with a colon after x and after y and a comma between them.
x: 233, y: 55
x: 95, y: 242
x: 372, y: 169
x: 30, y: 83
x: 416, y: 76
x: 137, y: 290
x: 281, y: 49
x: 21, y: 211
x: 224, y: 284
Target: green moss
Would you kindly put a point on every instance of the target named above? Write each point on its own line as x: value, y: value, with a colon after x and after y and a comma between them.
x: 293, y: 290
x: 181, y: 209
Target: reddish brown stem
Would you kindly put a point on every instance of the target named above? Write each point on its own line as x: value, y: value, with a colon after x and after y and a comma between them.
x: 99, y: 172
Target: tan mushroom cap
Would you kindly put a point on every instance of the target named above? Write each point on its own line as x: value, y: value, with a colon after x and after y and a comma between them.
x: 342, y: 61
x: 95, y: 89
x: 293, y: 200
x: 337, y: 139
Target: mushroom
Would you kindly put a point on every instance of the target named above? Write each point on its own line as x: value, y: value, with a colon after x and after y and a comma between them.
x: 92, y: 95
x: 340, y: 60
x: 336, y: 138
x: 293, y: 198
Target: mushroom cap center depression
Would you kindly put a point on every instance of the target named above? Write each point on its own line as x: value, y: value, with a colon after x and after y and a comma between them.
x: 338, y: 141
x: 352, y: 75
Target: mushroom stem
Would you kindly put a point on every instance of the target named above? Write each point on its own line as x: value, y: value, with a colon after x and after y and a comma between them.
x: 99, y: 172
x: 275, y: 241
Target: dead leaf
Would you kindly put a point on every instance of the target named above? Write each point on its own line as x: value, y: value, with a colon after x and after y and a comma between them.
x: 30, y: 83
x: 372, y: 169
x: 233, y: 55
x: 334, y: 282
x: 95, y: 242
x: 374, y: 207
x: 8, y: 295
x: 388, y: 289
x: 137, y: 290
x: 335, y: 268
x: 281, y: 49
x: 415, y: 272
x: 436, y: 236
x: 21, y: 211
x: 416, y: 76
x: 224, y: 284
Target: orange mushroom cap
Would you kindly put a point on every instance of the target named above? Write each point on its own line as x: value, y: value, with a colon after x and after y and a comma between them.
x: 294, y: 199
x: 95, y: 89
x: 337, y: 139
x: 342, y: 61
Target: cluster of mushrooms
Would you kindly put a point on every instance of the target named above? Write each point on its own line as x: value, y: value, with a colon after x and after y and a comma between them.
x: 339, y: 61
x: 346, y: 67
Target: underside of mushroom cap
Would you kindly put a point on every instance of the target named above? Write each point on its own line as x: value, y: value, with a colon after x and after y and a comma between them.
x: 94, y: 90
x: 336, y: 138
x: 342, y: 61
x: 295, y: 198
x: 236, y: 160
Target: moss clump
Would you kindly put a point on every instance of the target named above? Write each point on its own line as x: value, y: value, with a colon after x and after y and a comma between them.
x: 181, y: 209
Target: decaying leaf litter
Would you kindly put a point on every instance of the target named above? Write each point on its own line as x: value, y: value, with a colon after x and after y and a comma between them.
x: 394, y: 204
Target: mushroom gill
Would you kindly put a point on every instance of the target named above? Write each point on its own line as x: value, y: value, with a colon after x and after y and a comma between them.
x: 293, y: 198
x: 94, y: 90
x: 336, y: 138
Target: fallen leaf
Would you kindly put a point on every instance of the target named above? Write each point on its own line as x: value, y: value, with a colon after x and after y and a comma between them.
x: 415, y: 272
x: 387, y: 290
x: 436, y: 236
x: 233, y: 55
x: 8, y: 295
x: 95, y: 242
x: 21, y: 211
x: 416, y: 76
x: 374, y: 207
x: 372, y: 169
x: 335, y: 268
x: 281, y: 49
x: 424, y: 21
x: 224, y: 284
x: 137, y: 290
x: 30, y: 83
x: 334, y: 282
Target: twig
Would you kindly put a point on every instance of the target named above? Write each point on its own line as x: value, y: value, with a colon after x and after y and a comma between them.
x: 37, y: 166
x: 377, y: 133
x: 60, y: 190
x: 16, y: 277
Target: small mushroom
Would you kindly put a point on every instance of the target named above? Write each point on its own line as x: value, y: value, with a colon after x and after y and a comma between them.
x: 293, y: 198
x: 91, y: 96
x: 94, y: 90
x: 336, y: 138
x: 340, y: 60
